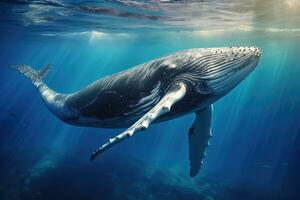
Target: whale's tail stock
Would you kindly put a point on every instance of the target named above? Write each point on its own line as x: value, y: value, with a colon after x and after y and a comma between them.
x: 36, y: 76
x: 53, y: 100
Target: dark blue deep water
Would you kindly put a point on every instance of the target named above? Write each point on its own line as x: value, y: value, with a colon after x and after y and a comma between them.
x: 255, y: 148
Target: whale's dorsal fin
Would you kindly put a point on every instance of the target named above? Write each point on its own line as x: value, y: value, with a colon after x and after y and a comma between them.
x: 199, y: 135
x: 174, y: 94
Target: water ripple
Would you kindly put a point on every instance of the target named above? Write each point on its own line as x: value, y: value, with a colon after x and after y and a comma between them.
x: 57, y: 16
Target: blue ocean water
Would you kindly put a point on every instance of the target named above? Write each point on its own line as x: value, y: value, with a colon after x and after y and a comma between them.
x: 255, y: 148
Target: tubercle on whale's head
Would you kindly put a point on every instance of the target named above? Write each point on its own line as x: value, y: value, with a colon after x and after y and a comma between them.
x: 219, y: 70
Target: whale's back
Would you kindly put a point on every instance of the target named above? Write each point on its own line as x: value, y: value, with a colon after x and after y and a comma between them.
x: 120, y: 96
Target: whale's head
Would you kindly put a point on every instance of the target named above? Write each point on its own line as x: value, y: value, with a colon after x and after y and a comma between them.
x: 216, y: 71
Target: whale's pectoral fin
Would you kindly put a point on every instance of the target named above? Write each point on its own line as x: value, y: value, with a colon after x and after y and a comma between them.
x: 174, y: 94
x: 199, y: 135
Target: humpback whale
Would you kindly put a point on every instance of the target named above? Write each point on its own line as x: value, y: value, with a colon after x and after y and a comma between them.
x: 184, y: 82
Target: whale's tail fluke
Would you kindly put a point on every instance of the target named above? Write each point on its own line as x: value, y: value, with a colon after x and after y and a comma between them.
x: 36, y: 76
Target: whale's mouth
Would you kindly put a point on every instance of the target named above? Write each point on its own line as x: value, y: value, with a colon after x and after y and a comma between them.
x: 228, y: 82
x: 242, y: 62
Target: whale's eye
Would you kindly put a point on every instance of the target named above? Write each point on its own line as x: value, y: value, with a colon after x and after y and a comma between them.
x: 202, y: 87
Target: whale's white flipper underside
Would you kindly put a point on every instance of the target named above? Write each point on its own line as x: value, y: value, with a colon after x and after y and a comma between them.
x: 199, y: 135
x: 175, y: 93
